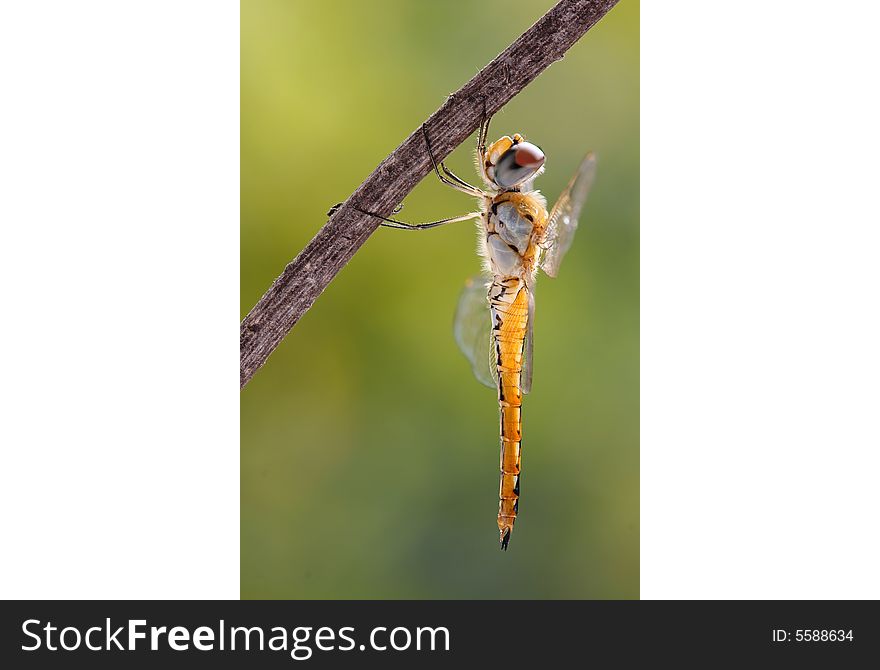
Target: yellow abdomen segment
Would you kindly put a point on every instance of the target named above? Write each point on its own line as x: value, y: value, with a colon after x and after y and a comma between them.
x: 509, y: 303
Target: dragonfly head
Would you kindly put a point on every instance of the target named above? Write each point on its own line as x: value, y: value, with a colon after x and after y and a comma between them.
x: 511, y: 161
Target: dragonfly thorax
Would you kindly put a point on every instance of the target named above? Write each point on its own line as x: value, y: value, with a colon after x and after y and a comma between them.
x: 513, y: 223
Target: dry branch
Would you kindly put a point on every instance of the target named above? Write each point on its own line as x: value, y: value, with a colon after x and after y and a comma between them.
x: 304, y: 278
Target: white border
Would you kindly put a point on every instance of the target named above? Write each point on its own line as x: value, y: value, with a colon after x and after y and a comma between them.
x: 760, y: 279
x: 119, y: 262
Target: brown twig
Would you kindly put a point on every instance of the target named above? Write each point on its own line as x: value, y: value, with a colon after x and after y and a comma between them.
x: 304, y: 278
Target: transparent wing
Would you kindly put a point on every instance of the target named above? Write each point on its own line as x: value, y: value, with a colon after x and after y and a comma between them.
x: 473, y: 333
x: 473, y: 330
x: 529, y: 347
x: 564, y: 216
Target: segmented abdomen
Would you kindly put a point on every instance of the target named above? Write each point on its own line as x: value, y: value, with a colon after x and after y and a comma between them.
x: 509, y: 306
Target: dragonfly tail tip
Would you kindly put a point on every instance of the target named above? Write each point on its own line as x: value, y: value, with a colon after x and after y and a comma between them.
x: 505, y: 539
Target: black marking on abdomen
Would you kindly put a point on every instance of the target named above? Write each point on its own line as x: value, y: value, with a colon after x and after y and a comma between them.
x: 500, y: 295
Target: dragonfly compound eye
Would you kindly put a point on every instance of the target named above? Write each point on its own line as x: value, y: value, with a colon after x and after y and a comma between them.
x: 517, y: 164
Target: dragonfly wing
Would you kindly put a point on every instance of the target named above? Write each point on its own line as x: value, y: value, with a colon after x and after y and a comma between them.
x: 529, y: 347
x: 473, y: 330
x: 563, y: 219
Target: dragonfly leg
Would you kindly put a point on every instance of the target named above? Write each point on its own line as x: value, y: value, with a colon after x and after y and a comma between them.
x: 448, y: 177
x: 483, y: 134
x: 402, y: 225
x: 335, y: 208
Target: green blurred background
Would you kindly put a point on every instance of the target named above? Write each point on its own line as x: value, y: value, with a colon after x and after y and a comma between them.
x: 369, y: 453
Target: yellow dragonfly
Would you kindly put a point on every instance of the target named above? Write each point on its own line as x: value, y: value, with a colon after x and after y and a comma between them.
x: 495, y: 314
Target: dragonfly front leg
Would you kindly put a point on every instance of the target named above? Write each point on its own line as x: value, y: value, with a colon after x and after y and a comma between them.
x: 483, y: 133
x: 448, y: 177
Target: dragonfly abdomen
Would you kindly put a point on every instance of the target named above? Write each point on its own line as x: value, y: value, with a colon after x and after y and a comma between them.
x: 509, y: 306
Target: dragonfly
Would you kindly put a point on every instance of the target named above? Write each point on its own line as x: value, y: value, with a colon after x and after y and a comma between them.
x: 494, y: 319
